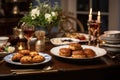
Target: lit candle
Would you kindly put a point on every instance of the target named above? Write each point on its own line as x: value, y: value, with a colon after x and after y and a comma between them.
x: 90, y: 15
x: 20, y: 46
x: 98, y: 17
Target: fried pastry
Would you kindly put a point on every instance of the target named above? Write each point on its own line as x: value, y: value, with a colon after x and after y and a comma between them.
x: 33, y: 53
x: 65, y: 52
x: 89, y: 52
x: 78, y: 54
x: 24, y: 52
x: 16, y: 57
x: 26, y: 60
x: 75, y: 46
x: 38, y: 58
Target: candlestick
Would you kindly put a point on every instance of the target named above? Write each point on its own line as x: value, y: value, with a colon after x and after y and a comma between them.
x: 90, y: 15
x: 98, y: 17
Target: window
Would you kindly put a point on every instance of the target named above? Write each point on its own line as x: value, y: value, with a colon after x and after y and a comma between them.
x: 82, y: 11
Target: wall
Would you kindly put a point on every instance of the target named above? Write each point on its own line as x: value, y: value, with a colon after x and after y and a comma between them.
x: 114, y: 15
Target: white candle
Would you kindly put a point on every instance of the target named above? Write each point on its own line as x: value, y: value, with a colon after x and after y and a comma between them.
x: 90, y: 15
x: 98, y: 17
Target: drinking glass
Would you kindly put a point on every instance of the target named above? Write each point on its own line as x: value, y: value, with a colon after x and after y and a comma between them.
x: 28, y: 33
x: 94, y: 31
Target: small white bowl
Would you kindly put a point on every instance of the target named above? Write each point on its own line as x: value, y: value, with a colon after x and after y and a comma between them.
x: 3, y: 40
x: 113, y: 34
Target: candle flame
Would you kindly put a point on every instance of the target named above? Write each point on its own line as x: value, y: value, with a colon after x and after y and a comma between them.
x: 20, y: 47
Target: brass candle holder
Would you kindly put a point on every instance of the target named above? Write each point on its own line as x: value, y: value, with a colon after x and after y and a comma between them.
x: 94, y: 32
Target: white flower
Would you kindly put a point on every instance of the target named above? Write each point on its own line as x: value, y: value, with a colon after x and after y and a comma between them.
x: 35, y: 12
x: 45, y: 5
x: 48, y: 17
x: 11, y: 49
x: 54, y: 13
x: 43, y: 14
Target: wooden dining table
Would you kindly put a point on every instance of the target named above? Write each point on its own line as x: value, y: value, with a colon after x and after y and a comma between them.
x: 106, y: 67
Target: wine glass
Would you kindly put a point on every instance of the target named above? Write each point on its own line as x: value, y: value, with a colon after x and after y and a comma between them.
x: 28, y: 31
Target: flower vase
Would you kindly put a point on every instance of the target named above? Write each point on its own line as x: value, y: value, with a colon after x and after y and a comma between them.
x: 47, y: 29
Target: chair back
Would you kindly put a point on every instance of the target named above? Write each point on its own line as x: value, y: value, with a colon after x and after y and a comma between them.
x: 67, y: 25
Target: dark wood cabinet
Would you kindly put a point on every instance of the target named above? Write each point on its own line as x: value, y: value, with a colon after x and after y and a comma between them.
x: 14, y: 10
x: 7, y: 24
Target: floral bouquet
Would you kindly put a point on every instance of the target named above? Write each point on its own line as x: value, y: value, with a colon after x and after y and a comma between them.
x: 43, y: 14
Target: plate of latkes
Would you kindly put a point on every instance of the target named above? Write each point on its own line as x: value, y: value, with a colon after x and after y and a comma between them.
x: 83, y: 53
x: 81, y: 36
x: 27, y: 60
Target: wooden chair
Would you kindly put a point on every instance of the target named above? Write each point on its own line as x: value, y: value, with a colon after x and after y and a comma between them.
x: 68, y: 24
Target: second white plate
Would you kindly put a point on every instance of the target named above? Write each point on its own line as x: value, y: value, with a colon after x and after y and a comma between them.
x: 63, y: 41
x: 99, y: 51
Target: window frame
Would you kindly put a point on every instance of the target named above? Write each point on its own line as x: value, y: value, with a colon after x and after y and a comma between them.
x: 113, y: 14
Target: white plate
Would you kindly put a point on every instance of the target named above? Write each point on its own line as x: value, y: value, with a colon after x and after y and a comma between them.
x: 86, y: 36
x: 4, y: 52
x: 112, y: 45
x: 104, y: 37
x: 109, y: 39
x: 8, y: 59
x: 114, y: 42
x: 99, y: 51
x: 63, y: 41
x: 112, y: 49
x: 74, y: 35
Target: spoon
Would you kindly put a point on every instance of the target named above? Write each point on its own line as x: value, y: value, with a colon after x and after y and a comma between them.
x: 34, y: 71
x: 27, y: 70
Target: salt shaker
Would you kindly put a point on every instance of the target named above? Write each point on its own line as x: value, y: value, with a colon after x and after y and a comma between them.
x: 40, y: 43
